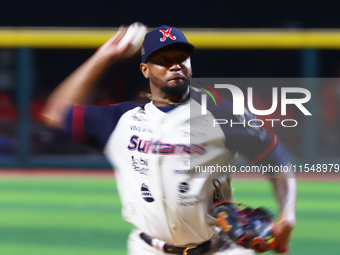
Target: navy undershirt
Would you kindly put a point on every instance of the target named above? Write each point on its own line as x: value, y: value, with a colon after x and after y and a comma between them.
x: 167, y: 108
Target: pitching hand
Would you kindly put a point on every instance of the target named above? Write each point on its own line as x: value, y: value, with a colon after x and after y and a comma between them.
x: 110, y: 51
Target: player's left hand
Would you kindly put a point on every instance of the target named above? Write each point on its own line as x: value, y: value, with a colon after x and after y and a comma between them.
x: 252, y: 228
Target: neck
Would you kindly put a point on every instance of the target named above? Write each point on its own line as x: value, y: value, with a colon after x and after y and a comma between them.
x: 160, y: 102
x: 160, y: 98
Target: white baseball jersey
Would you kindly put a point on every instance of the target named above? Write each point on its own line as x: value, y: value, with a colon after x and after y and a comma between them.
x: 155, y: 153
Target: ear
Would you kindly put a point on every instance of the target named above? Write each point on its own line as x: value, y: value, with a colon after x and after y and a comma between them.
x: 145, y: 69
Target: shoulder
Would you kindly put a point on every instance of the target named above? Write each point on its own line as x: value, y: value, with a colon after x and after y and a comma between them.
x: 94, y: 124
x: 112, y: 112
x: 115, y: 108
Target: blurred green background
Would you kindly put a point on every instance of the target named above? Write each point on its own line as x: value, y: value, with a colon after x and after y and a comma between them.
x: 72, y: 215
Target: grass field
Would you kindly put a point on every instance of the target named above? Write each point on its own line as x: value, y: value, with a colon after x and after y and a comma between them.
x: 81, y: 216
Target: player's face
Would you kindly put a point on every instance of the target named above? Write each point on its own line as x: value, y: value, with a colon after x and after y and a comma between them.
x: 169, y: 70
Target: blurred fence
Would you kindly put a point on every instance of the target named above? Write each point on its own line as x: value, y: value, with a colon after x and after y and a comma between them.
x: 26, y: 42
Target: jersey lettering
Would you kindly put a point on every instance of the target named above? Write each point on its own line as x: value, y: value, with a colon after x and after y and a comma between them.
x: 157, y: 147
x: 135, y: 128
x: 133, y: 143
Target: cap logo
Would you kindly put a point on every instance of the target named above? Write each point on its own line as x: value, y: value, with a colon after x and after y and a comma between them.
x: 166, y: 33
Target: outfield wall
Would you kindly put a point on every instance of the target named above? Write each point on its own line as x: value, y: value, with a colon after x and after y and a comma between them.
x: 28, y: 44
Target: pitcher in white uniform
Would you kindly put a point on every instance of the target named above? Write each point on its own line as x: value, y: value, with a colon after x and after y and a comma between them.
x: 154, y: 149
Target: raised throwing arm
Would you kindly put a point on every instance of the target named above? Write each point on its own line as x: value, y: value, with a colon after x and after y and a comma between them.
x: 78, y: 85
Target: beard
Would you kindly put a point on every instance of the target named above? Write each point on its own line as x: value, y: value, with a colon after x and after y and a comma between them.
x: 177, y: 91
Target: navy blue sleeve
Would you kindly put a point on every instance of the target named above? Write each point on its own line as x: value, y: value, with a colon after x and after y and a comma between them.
x: 94, y: 124
x: 254, y: 143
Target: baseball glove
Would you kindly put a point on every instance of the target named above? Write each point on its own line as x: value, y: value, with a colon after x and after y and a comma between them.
x: 248, y: 227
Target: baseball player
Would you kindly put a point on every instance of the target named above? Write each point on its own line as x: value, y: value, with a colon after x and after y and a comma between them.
x: 150, y: 148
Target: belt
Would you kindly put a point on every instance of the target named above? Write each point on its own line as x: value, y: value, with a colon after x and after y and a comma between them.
x: 167, y: 248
